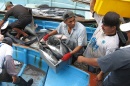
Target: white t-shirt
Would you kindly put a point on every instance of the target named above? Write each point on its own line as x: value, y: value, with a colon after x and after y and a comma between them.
x: 5, y: 50
x: 100, y: 44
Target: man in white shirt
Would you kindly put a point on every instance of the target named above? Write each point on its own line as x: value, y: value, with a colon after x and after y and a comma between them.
x: 117, y: 63
x: 105, y: 39
x: 7, y: 67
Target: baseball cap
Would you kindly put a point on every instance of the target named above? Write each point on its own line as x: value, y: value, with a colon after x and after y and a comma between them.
x: 111, y: 19
x: 9, y: 3
x: 68, y: 14
x: 125, y: 27
x: 7, y: 40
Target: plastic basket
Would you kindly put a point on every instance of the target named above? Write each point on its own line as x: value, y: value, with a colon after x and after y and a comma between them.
x: 119, y: 6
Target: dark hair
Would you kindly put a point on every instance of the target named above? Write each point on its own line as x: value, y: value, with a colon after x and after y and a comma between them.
x: 111, y: 19
x: 68, y: 14
x: 7, y: 40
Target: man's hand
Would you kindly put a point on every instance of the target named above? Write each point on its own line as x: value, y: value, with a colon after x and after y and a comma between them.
x: 66, y: 56
x: 80, y: 59
x: 1, y: 23
x: 100, y: 76
x: 45, y: 38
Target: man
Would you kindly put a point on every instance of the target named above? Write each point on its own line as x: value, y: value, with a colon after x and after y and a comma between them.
x: 105, y: 34
x: 7, y: 68
x: 19, y: 12
x: 75, y: 33
x: 117, y: 63
x: 105, y: 39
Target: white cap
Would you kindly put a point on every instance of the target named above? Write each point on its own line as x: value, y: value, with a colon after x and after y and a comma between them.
x: 125, y: 27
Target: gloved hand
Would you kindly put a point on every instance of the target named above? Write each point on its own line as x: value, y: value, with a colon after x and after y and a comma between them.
x: 66, y: 56
x: 45, y: 38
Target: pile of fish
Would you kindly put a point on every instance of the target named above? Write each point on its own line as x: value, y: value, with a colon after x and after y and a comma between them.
x: 53, y: 52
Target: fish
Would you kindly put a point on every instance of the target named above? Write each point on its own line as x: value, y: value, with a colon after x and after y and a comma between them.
x: 37, y: 42
x: 30, y: 30
x: 47, y: 54
x: 56, y: 51
x: 18, y: 41
x: 64, y: 48
x: 15, y: 40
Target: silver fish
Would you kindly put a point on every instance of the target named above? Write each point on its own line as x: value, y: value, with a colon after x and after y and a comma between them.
x: 59, y: 52
x: 47, y: 54
x: 64, y: 48
x: 30, y: 30
x: 15, y: 40
x: 37, y: 42
x: 55, y: 51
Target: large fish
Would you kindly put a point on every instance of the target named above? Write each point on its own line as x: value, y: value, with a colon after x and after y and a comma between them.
x: 18, y: 41
x: 15, y: 40
x: 30, y: 30
x: 64, y: 48
x: 47, y: 54
x: 58, y: 52
x: 37, y: 42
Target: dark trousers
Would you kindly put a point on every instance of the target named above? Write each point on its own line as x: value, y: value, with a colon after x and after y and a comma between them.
x: 5, y: 77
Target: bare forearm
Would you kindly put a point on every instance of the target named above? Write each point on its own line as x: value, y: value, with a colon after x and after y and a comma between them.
x: 89, y: 61
x: 53, y: 32
x: 1, y: 23
x: 76, y: 49
x: 92, y: 3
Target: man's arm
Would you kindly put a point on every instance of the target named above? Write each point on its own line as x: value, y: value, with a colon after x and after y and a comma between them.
x: 45, y: 38
x: 89, y: 61
x: 7, y: 14
x: 1, y: 23
x: 10, y: 67
x: 92, y: 3
x: 53, y: 32
x: 76, y: 49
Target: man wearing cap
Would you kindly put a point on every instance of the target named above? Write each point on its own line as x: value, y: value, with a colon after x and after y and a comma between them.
x: 75, y: 33
x: 19, y: 12
x: 7, y: 68
x: 117, y: 63
x: 105, y: 39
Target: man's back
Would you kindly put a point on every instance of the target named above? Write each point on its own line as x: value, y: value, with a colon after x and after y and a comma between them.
x: 19, y: 10
x: 118, y: 66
